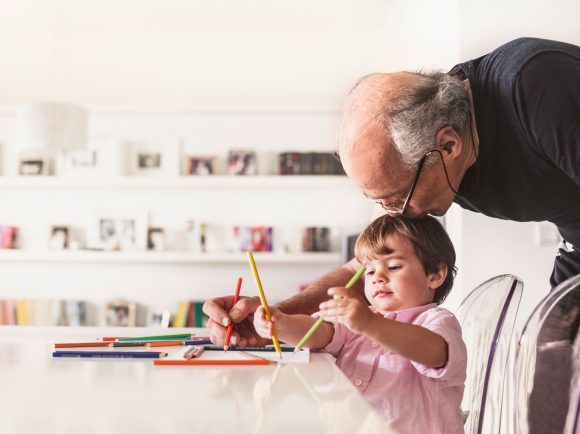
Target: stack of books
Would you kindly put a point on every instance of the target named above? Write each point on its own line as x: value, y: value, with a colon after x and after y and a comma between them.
x: 43, y: 312
x: 309, y: 163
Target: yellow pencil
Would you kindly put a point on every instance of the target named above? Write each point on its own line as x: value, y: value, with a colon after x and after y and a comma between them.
x: 264, y: 302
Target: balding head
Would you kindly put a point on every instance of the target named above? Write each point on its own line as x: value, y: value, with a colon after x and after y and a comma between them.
x: 364, y: 136
x: 367, y: 103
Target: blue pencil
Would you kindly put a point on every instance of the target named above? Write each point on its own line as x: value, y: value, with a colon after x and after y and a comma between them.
x: 111, y: 354
x: 198, y: 342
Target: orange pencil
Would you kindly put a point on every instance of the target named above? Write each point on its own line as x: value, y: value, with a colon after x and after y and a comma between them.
x: 82, y: 344
x: 231, y: 326
x: 165, y: 344
x: 208, y: 362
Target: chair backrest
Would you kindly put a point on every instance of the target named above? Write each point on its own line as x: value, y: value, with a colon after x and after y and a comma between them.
x: 573, y: 419
x: 543, y: 361
x: 487, y: 317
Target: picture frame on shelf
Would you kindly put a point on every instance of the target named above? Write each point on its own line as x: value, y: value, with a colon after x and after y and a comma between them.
x: 117, y: 230
x: 119, y: 313
x: 154, y: 160
x: 59, y: 238
x: 34, y: 166
x: 254, y: 238
x: 196, y: 165
x: 156, y: 239
x: 78, y: 163
x: 159, y: 318
x: 242, y: 162
x: 8, y: 237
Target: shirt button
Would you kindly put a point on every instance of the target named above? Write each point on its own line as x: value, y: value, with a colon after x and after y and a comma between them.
x: 357, y: 382
x: 374, y: 344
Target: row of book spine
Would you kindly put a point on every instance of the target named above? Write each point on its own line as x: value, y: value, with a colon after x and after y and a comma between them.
x: 190, y: 314
x: 43, y: 312
x: 309, y: 163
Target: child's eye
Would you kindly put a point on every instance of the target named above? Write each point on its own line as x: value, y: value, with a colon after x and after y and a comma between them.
x: 370, y: 272
x: 395, y: 267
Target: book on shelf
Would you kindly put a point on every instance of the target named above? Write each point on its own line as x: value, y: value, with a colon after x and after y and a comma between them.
x: 309, y: 163
x: 190, y: 314
x: 43, y: 312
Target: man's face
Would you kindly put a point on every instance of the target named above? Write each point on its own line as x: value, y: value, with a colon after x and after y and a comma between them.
x: 374, y: 165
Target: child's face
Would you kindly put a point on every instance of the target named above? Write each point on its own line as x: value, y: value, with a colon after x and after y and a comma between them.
x: 397, y: 281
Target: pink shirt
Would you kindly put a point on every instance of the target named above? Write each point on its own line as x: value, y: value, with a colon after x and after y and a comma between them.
x: 413, y: 398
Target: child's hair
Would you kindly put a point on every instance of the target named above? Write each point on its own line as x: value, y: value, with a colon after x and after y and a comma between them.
x: 428, y: 238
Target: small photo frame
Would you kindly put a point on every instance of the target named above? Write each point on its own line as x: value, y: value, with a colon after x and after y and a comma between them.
x: 59, y: 238
x: 159, y: 318
x: 150, y: 160
x: 78, y: 162
x: 242, y: 162
x: 118, y: 230
x: 34, y: 166
x: 119, y: 313
x: 156, y: 239
x: 201, y: 165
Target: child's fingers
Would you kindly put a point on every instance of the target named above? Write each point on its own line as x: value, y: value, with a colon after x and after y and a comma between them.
x: 333, y: 304
x: 338, y: 292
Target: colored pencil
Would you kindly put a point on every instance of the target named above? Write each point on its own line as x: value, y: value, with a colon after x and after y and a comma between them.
x: 209, y: 362
x: 264, y: 302
x: 164, y: 344
x: 82, y: 344
x: 261, y: 349
x: 181, y: 336
x: 111, y: 354
x: 320, y: 320
x: 127, y: 344
x: 193, y: 353
x: 198, y: 342
x: 231, y: 326
x: 111, y: 338
x: 252, y: 356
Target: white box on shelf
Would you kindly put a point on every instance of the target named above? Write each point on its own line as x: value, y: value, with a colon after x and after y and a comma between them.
x: 111, y: 156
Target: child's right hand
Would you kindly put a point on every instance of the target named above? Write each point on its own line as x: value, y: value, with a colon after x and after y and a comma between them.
x: 263, y: 326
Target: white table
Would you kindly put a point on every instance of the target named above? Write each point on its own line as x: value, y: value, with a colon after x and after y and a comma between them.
x: 40, y: 394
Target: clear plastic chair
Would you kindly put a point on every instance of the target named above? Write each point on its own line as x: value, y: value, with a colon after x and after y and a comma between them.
x: 543, y: 361
x: 573, y: 419
x: 487, y: 317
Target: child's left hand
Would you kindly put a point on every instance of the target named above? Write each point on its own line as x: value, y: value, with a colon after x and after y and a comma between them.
x: 347, y: 308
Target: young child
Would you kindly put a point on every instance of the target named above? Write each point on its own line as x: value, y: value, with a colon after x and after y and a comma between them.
x: 403, y: 352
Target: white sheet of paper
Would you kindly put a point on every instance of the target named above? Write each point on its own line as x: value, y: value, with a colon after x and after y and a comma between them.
x: 302, y: 356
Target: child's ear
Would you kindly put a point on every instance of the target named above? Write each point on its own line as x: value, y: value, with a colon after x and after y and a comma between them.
x: 436, y: 279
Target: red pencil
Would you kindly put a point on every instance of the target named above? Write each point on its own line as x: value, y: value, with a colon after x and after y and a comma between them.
x: 231, y: 326
x: 207, y: 362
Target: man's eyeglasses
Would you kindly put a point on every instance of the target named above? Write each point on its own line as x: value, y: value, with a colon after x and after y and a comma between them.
x: 400, y: 208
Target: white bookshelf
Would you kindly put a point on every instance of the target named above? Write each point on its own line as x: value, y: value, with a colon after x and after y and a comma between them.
x: 181, y: 182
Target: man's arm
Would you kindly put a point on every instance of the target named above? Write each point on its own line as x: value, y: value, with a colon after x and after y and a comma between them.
x: 308, y: 300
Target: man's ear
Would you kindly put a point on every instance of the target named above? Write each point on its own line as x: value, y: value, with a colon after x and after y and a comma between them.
x: 449, y: 142
x: 437, y: 278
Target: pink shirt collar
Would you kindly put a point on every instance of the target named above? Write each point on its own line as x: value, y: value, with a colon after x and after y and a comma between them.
x: 406, y: 315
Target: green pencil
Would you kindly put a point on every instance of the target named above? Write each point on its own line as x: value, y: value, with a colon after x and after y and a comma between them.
x: 184, y: 336
x: 320, y: 320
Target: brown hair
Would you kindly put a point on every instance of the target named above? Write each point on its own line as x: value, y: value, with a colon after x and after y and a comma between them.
x: 428, y: 238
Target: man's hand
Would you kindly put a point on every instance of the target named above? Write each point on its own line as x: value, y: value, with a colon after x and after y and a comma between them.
x: 222, y: 312
x: 348, y: 308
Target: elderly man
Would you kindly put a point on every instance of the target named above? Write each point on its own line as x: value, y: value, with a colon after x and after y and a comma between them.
x: 498, y: 135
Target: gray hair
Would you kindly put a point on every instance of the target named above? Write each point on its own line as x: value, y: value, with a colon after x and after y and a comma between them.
x: 437, y: 101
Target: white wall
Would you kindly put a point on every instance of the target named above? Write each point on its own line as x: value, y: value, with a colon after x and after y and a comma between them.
x: 265, y: 74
